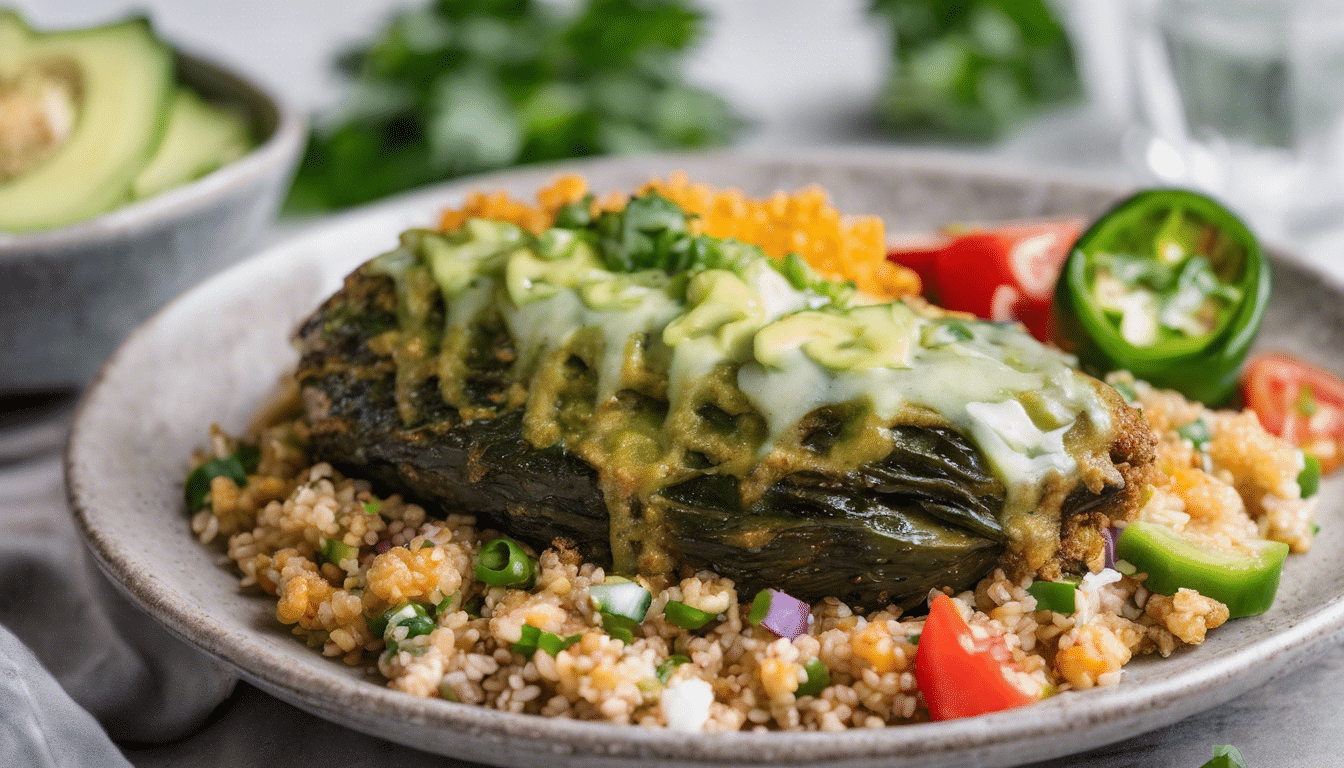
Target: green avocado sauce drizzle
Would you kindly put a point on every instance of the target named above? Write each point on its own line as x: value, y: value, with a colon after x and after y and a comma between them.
x: 658, y: 354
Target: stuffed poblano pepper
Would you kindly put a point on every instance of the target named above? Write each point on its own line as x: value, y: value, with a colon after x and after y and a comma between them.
x: 1169, y: 285
x: 665, y: 400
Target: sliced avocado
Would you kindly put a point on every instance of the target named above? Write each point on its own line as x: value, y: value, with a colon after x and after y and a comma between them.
x: 201, y: 137
x: 122, y: 80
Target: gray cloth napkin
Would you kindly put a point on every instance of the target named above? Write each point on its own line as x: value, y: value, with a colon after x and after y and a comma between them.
x: 92, y: 657
x: 40, y: 725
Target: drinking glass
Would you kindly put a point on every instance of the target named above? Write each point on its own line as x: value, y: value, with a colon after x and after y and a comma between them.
x: 1245, y: 99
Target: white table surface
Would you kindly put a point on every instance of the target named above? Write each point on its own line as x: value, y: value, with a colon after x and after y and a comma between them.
x: 804, y: 72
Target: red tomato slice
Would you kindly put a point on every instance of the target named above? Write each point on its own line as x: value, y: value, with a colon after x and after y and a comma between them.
x: 1302, y: 404
x: 1008, y: 273
x: 959, y: 675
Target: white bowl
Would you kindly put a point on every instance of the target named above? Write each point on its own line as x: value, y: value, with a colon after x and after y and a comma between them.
x: 69, y: 295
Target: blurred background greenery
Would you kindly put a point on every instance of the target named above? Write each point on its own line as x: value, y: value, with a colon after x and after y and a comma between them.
x: 462, y: 86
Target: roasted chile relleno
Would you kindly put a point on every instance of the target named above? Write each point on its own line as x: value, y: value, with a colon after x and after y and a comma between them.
x: 1170, y: 286
x: 667, y: 400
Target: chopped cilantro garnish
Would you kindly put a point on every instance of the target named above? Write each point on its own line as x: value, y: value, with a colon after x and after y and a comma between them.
x: 235, y: 466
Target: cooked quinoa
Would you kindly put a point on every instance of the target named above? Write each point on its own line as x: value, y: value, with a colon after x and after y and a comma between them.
x: 292, y: 517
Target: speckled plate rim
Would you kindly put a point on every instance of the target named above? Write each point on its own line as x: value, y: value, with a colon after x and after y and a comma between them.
x: 1058, y: 726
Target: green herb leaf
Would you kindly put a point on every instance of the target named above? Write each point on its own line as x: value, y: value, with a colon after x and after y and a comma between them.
x: 664, y: 670
x: 197, y: 487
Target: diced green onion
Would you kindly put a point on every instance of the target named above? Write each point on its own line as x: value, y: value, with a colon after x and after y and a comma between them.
x: 622, y: 604
x: 914, y: 639
x: 1196, y: 432
x: 197, y: 488
x: 503, y: 563
x: 554, y: 644
x: 1315, y: 529
x: 445, y: 603
x: 426, y: 544
x: 412, y: 616
x: 664, y: 670
x: 372, y: 506
x: 626, y: 599
x: 335, y: 551
x: 620, y: 627
x: 1057, y: 596
x: 818, y: 677
x: 533, y: 639
x: 685, y: 616
x: 1309, y: 479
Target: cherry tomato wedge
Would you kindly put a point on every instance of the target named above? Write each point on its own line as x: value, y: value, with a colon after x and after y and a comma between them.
x: 1005, y: 273
x: 959, y: 675
x: 1300, y: 403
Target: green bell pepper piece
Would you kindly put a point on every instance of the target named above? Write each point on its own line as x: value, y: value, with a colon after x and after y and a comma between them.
x: 1057, y: 596
x: 1245, y: 583
x: 685, y: 616
x: 1181, y: 248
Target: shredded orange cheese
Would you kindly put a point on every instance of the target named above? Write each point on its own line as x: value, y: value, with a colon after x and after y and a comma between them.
x: 839, y: 247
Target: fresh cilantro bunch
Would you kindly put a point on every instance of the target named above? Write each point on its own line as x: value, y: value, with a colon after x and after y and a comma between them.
x: 462, y: 86
x: 971, y: 69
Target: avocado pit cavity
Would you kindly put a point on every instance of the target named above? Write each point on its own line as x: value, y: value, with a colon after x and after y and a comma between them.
x: 38, y: 112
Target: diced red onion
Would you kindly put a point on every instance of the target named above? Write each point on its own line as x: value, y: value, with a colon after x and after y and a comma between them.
x: 1110, y: 534
x: 786, y: 616
x: 382, y: 546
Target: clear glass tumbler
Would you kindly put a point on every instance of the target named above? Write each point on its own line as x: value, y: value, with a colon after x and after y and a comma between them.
x: 1244, y: 98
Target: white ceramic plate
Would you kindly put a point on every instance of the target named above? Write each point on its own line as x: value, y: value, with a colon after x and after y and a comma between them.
x: 214, y: 353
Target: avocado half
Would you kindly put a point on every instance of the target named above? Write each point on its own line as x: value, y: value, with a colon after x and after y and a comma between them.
x: 125, y: 85
x: 201, y: 137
